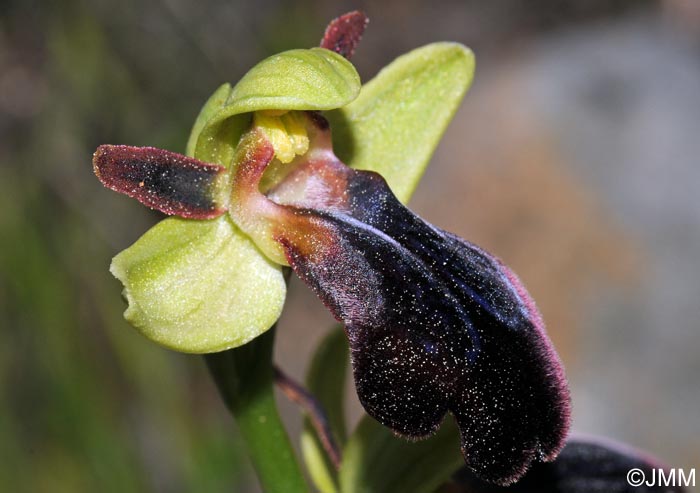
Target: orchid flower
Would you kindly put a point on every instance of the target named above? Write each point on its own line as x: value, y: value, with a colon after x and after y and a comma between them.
x: 298, y: 165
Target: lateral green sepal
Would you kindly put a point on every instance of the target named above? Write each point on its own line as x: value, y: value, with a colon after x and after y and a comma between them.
x: 199, y: 286
x: 397, y: 121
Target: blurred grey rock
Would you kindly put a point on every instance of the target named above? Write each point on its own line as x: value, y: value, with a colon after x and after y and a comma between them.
x: 623, y: 101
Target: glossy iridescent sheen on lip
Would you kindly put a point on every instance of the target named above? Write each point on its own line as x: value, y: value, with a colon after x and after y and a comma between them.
x: 435, y: 324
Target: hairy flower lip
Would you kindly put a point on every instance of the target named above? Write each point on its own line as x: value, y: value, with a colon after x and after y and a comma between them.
x: 435, y: 324
x: 150, y: 267
x: 380, y: 350
x: 426, y: 339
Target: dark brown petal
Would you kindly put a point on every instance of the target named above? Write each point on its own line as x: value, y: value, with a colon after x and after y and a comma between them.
x: 163, y: 180
x: 344, y: 33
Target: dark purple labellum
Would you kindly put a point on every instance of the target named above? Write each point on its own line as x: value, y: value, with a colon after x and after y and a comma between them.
x: 435, y: 325
x: 344, y: 33
x: 583, y: 466
x: 163, y: 180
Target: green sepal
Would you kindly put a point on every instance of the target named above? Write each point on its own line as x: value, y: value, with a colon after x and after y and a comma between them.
x: 313, y: 79
x: 215, y: 102
x: 325, y: 380
x: 376, y: 461
x: 396, y: 122
x: 199, y: 286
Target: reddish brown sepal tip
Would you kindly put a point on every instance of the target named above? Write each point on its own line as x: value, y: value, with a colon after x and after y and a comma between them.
x: 344, y: 33
x: 163, y: 180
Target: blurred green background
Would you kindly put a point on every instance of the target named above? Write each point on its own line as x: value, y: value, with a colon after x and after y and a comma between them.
x: 574, y: 158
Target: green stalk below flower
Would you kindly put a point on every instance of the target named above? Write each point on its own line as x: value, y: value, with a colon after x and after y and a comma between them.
x: 244, y: 377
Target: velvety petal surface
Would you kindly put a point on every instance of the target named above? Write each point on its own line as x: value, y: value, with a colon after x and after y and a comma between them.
x: 435, y: 324
x: 207, y: 287
x: 344, y: 33
x: 163, y: 180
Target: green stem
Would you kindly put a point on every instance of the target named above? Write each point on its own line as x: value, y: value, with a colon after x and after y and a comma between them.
x: 244, y: 377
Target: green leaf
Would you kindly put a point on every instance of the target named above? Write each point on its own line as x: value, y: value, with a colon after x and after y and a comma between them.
x: 376, y: 461
x: 326, y: 381
x: 199, y: 286
x: 315, y: 79
x: 397, y: 120
x: 320, y: 469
